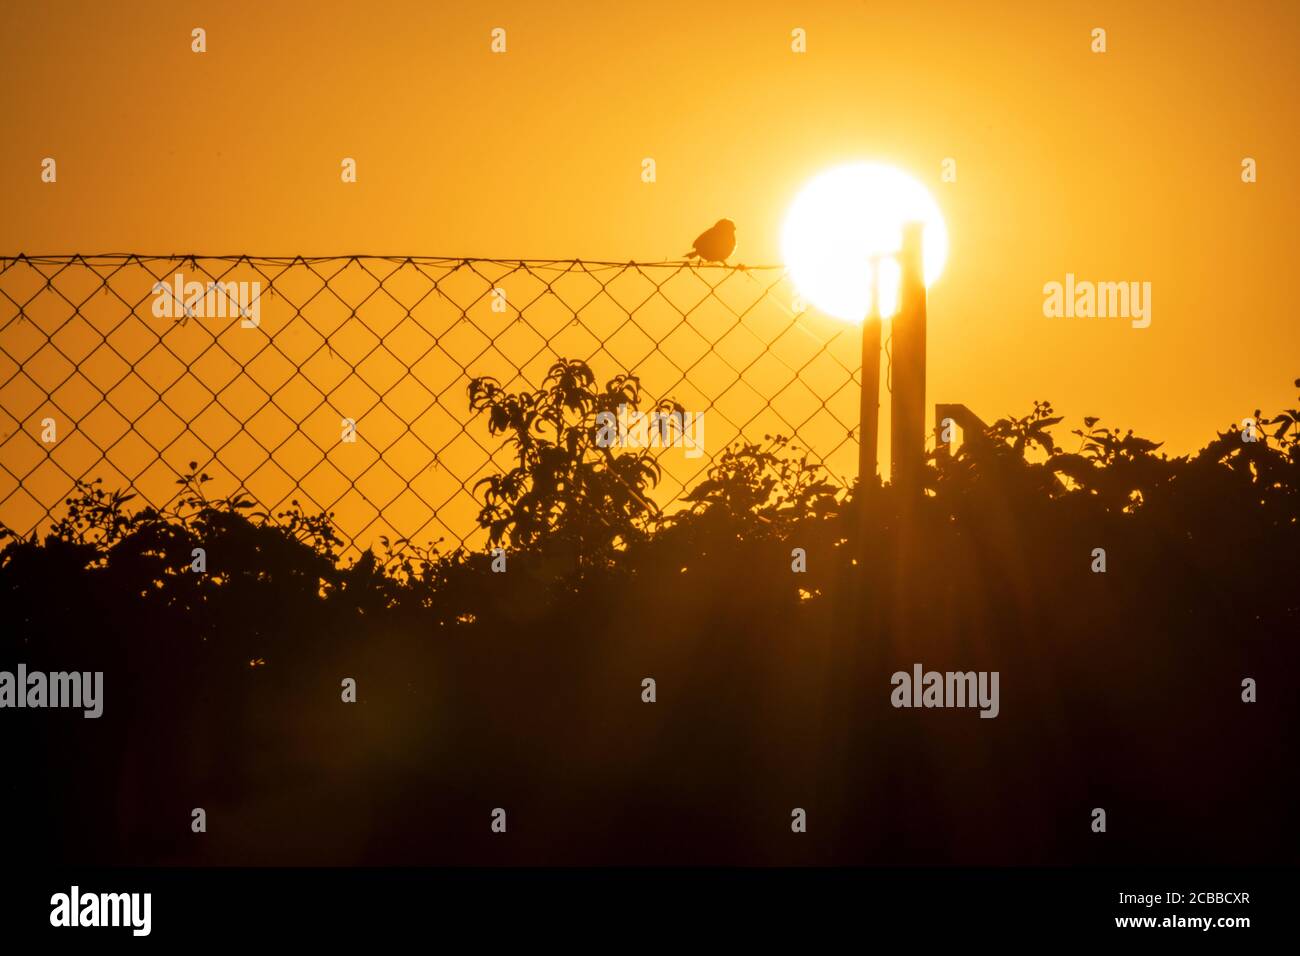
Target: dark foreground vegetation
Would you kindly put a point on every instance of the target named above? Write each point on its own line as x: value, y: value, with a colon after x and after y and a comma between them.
x: 523, y: 690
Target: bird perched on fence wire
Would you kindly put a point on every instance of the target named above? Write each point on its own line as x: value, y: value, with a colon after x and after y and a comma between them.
x: 715, y: 244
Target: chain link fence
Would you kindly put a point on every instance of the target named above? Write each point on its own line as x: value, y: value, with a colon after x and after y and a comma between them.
x: 129, y: 367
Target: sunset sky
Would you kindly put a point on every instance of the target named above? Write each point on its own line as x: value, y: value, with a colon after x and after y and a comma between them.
x: 1122, y: 166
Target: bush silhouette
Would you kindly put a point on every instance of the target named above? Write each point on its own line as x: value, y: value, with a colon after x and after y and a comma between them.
x: 479, y: 689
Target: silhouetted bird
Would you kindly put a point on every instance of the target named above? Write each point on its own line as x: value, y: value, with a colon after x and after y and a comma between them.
x: 716, y: 244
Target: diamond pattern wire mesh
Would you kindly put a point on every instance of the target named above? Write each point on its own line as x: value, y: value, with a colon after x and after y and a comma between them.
x: 391, y: 343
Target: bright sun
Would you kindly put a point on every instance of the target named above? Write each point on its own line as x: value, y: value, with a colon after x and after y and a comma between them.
x: 844, y: 217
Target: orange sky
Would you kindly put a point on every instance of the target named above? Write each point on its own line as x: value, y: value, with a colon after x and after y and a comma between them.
x: 1122, y: 166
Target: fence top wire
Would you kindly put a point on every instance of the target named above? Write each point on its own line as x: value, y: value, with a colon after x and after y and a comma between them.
x: 581, y: 264
x: 342, y: 340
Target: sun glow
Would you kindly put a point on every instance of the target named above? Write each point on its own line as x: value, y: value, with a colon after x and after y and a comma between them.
x: 839, y: 226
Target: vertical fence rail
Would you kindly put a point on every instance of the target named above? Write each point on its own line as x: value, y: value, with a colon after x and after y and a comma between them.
x: 126, y: 368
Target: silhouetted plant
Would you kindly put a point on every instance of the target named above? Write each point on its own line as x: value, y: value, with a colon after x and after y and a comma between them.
x: 565, y: 483
x: 750, y: 481
x: 228, y: 678
x: 1032, y: 430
